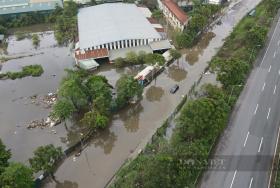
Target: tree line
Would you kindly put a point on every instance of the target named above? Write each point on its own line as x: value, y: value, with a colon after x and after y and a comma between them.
x: 19, y: 175
x: 199, y: 18
x: 80, y: 92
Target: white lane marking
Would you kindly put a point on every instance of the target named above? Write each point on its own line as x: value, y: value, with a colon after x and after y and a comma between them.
x: 274, y: 91
x: 260, y: 146
x: 274, y: 54
x: 233, y: 179
x: 246, y: 139
x: 263, y: 86
x: 269, y: 68
x: 256, y: 109
x: 279, y: 72
x: 268, y: 113
x: 251, y: 182
x: 275, y: 149
x: 270, y: 41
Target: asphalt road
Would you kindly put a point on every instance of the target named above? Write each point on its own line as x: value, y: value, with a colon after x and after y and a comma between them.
x: 247, y: 148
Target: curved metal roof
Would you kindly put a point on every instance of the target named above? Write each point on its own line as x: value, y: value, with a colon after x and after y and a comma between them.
x: 107, y: 23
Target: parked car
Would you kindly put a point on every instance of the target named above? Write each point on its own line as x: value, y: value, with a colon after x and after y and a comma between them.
x: 252, y: 12
x: 174, y: 89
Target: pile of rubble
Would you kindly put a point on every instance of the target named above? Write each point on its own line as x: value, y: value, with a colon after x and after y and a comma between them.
x: 50, y: 99
x: 43, y: 123
x: 47, y: 101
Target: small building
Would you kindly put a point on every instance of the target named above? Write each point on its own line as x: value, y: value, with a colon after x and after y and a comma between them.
x: 114, y: 29
x: 86, y: 59
x: 174, y: 14
x: 14, y: 7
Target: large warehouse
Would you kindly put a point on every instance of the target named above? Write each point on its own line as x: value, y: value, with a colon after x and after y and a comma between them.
x: 111, y: 30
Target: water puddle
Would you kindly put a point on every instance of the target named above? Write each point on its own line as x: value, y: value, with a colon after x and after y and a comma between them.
x: 192, y: 55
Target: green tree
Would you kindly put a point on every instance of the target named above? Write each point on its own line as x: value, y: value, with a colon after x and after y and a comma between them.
x: 5, y: 155
x: 63, y: 109
x: 197, y: 23
x: 157, y: 14
x: 175, y: 54
x: 151, y: 4
x: 35, y: 39
x: 3, y: 30
x: 257, y: 36
x: 131, y: 58
x: 17, y: 175
x: 153, y: 59
x: 141, y: 57
x: 95, y: 120
x: 100, y: 93
x: 45, y: 158
x: 127, y: 88
x: 195, y: 118
x: 66, y: 24
x: 93, y: 2
x: 184, y: 40
x: 231, y: 71
x: 73, y: 90
x: 120, y: 62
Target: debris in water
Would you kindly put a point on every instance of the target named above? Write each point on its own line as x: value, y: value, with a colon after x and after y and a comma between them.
x: 49, y: 122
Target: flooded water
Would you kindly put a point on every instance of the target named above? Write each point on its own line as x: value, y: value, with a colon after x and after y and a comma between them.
x: 17, y: 109
x: 129, y: 130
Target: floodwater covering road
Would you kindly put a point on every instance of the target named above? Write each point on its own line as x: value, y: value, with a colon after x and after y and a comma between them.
x: 129, y: 130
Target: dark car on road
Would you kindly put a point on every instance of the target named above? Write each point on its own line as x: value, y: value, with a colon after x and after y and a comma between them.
x: 174, y: 89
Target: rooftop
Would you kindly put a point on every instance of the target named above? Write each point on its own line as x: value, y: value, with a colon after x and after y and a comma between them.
x: 176, y: 10
x: 92, y: 54
x: 20, y: 6
x: 107, y: 23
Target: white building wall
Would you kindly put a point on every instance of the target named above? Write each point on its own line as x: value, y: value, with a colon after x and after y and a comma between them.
x: 126, y: 43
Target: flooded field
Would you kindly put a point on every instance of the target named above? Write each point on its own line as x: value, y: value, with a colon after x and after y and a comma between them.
x: 17, y: 108
x: 129, y: 129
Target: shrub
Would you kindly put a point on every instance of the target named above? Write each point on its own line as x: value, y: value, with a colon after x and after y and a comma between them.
x: 30, y: 70
x: 35, y: 39
x: 20, y: 35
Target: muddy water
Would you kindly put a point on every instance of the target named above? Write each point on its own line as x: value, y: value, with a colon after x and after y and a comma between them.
x: 131, y: 128
x: 17, y: 108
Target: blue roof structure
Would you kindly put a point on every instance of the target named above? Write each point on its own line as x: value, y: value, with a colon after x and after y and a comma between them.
x: 10, y: 3
x: 24, y: 6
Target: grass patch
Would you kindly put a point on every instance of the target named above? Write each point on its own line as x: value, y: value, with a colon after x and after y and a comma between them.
x: 30, y: 70
x: 21, y: 35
